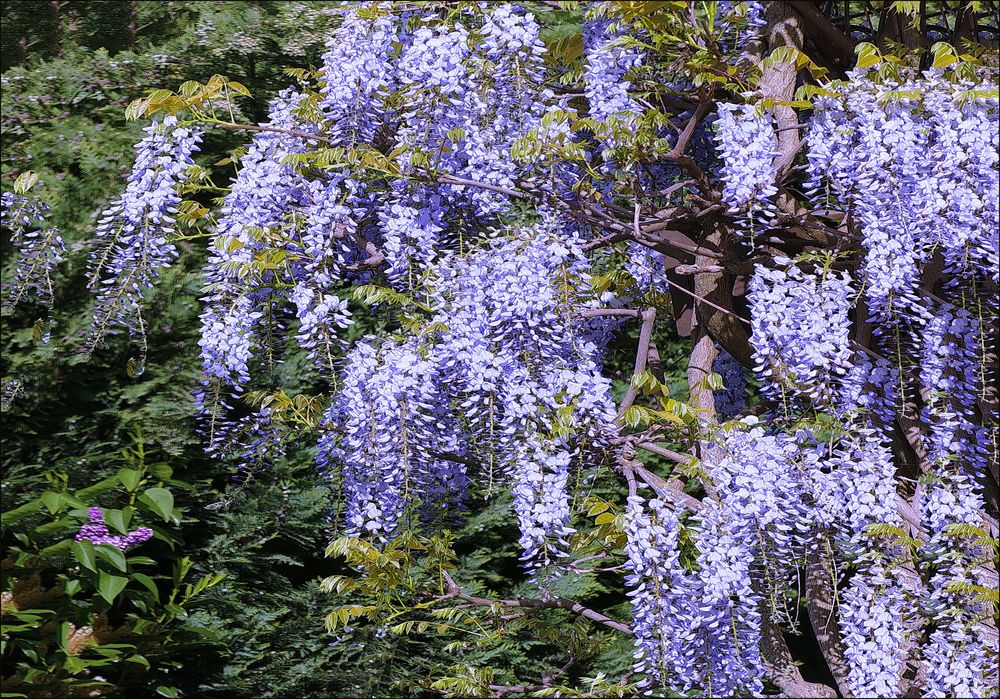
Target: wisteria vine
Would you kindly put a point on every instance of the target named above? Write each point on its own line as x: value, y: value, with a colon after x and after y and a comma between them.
x: 431, y: 219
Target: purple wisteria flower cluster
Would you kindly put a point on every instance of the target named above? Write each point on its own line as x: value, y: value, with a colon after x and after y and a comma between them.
x: 748, y: 146
x: 800, y: 330
x: 916, y: 162
x: 608, y: 62
x: 506, y: 347
x: 39, y: 249
x: 287, y: 240
x: 96, y: 532
x: 872, y: 623
x: 959, y: 654
x: 253, y: 215
x: 668, y: 636
x: 951, y: 374
x: 133, y: 234
x: 359, y: 75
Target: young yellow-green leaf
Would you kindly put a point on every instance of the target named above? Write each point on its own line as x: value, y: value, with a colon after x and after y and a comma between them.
x: 136, y: 109
x: 944, y: 55
x: 189, y: 88
x: 604, y: 518
x: 635, y: 415
x: 25, y: 181
x: 597, y: 507
x: 868, y: 60
x: 239, y: 89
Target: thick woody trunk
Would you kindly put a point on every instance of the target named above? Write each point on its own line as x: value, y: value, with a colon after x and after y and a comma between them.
x: 133, y: 16
x: 784, y: 28
x: 716, y: 316
x: 55, y: 6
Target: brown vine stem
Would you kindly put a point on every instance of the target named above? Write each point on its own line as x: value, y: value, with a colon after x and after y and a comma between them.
x: 598, y: 312
x: 455, y: 592
x: 501, y: 690
x: 674, y: 456
x: 641, y: 356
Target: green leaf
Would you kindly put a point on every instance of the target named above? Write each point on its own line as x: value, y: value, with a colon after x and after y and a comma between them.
x: 165, y: 691
x: 110, y: 586
x: 637, y: 415
x: 113, y: 555
x: 148, y: 583
x: 160, y: 500
x: 868, y: 60
x: 60, y: 548
x: 944, y: 59
x: 161, y: 471
x: 53, y: 501
x: 83, y: 552
x: 116, y: 518
x: 129, y: 478
x: 597, y: 508
x: 140, y: 659
x: 239, y: 88
x: 22, y: 511
x: 98, y: 488
x: 136, y: 109
x: 62, y: 636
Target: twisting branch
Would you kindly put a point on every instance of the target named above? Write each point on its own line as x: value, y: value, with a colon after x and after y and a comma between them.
x: 455, y: 592
x: 820, y: 591
x: 500, y: 690
x: 605, y: 241
x: 465, y: 182
x: 678, y: 156
x: 672, y: 491
x: 641, y: 357
x: 778, y: 80
x: 685, y: 135
x: 374, y: 259
x: 598, y: 312
x: 674, y: 456
x: 781, y: 668
x: 703, y: 356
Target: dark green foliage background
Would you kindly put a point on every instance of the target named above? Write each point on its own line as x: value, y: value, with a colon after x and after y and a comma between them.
x: 63, y: 117
x: 64, y: 94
